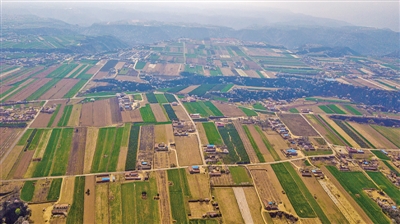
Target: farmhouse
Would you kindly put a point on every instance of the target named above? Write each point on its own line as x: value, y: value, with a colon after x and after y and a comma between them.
x: 60, y: 209
x: 104, y: 178
x: 132, y: 176
x: 290, y: 152
x: 194, y: 169
x: 161, y: 147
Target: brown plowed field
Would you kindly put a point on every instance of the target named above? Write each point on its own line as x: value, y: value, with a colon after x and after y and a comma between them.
x: 188, y: 150
x: 162, y: 186
x: 202, y: 133
x: 23, y: 164
x: 161, y: 160
x: 131, y: 116
x: 116, y: 116
x: 8, y: 136
x: 158, y: 112
x: 229, y: 110
x: 100, y: 75
x: 96, y: 114
x: 47, y: 71
x: 96, y: 68
x: 253, y: 65
x: 277, y: 142
x: 252, y: 73
x: 146, y: 147
x: 373, y: 136
x: 60, y: 112
x: 59, y: 89
x: 42, y: 119
x: 77, y: 155
x: 27, y: 91
x: 90, y: 148
x: 188, y: 89
x: 42, y: 188
x: 89, y: 201
x: 246, y: 142
x: 297, y: 125
x: 22, y: 77
x: 181, y: 113
x: 227, y: 72
x: 263, y: 149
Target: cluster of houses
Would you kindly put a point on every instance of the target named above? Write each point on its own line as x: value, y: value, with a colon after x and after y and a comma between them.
x: 312, y: 173
x: 134, y: 175
x: 125, y: 102
x: 49, y: 110
x: 11, y: 115
x: 277, y: 125
x: 60, y: 209
x: 369, y: 165
x: 182, y: 128
x: 160, y: 147
x: 351, y: 150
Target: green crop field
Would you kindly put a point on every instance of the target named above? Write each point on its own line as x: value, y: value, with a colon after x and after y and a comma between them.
x: 176, y: 89
x: 380, y: 154
x: 213, y: 108
x: 352, y: 110
x: 294, y: 110
x: 107, y: 150
x: 391, y: 168
x: 147, y: 114
x: 137, y: 96
x: 161, y: 98
x: 336, y: 109
x: 352, y: 134
x: 171, y: 98
x: 130, y: 163
x: 212, y: 133
x: 75, y: 214
x: 43, y: 89
x: 232, y: 140
x: 44, y: 166
x: 140, y: 65
x: 239, y: 174
x: 198, y: 107
x: 115, y: 208
x: 333, y: 138
x: 79, y: 70
x: 326, y: 109
x: 55, y: 188
x: 62, y: 71
x: 54, y: 115
x: 30, y: 138
x: 179, y: 194
x: 74, y: 90
x: 226, y: 88
x: 25, y: 136
x: 254, y: 144
x: 354, y: 183
x: 267, y: 144
x: 293, y: 191
x: 33, y: 143
x: 385, y: 184
x: 125, y: 135
x: 61, y: 155
x: 170, y: 112
x: 392, y: 134
x: 216, y: 72
x: 27, y: 190
x: 151, y: 98
x: 65, y: 116
x: 259, y: 106
x: 201, y: 90
x: 248, y: 112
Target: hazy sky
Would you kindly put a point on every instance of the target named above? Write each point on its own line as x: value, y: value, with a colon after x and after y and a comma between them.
x: 381, y: 14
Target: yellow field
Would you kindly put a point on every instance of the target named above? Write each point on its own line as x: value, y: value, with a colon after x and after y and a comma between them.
x: 373, y: 136
x: 122, y: 158
x: 202, y: 133
x: 228, y: 205
x: 38, y: 216
x: 76, y: 113
x: 254, y: 204
x: 102, y: 215
x: 199, y: 185
x: 160, y: 134
x: 67, y: 191
x: 277, y: 142
x: 91, y: 139
x: 340, y: 131
x: 9, y: 162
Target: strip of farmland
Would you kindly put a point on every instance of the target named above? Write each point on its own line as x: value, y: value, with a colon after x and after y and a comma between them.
x: 212, y: 133
x: 132, y: 148
x: 107, y: 150
x: 147, y: 114
x: 170, y: 112
x: 388, y: 186
x: 179, y: 194
x: 202, y: 90
x: 75, y: 214
x: 237, y: 152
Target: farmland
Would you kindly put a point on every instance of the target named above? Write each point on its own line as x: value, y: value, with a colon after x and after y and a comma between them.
x: 203, y: 108
x: 248, y: 112
x: 392, y: 134
x: 352, y: 110
x: 212, y: 133
x: 75, y: 214
x: 147, y: 114
x: 385, y: 185
x: 161, y: 98
x: 170, y: 112
x: 254, y: 144
x: 201, y: 90
x: 239, y: 175
x: 179, y: 193
x: 107, y: 150
x: 231, y: 138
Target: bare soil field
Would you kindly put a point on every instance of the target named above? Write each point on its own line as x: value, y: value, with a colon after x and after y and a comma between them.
x: 181, y: 113
x: 161, y: 160
x: 207, y: 72
x: 42, y: 188
x: 146, y: 147
x: 297, y: 125
x: 97, y: 67
x: 47, y: 71
x: 222, y: 180
x: 23, y: 164
x: 243, y: 205
x: 246, y: 142
x: 42, y: 119
x: 263, y: 149
x: 373, y: 136
x: 11, y: 160
x: 172, y: 69
x: 75, y: 114
x: 228, y: 205
x: 60, y: 89
x: 116, y: 116
x: 199, y: 185
x: 29, y: 90
x: 67, y: 190
x: 252, y: 65
x: 160, y: 134
x: 261, y: 52
x: 119, y: 65
x: 96, y: 114
x: 60, y: 112
x: 91, y: 141
x: 89, y: 201
x: 158, y: 112
x: 202, y: 134
x: 229, y: 110
x: 227, y: 72
x: 77, y: 155
x: 277, y: 142
x: 188, y: 150
x: 101, y: 75
x: 252, y: 73
x: 188, y: 89
x: 122, y: 158
x: 129, y: 78
x: 131, y: 116
x: 162, y: 186
x: 8, y: 136
x: 254, y: 204
x: 20, y: 78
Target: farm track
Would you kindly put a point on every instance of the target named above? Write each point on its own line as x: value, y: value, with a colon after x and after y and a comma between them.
x: 77, y: 155
x: 246, y: 142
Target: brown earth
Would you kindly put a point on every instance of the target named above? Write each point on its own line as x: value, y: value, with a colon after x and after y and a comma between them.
x: 60, y: 112
x: 19, y: 78
x: 96, y: 114
x: 202, y: 133
x: 340, y: 131
x: 101, y: 75
x: 75, y: 69
x: 188, y: 151
x: 161, y: 160
x: 227, y: 71
x: 373, y: 136
x: 246, y: 142
x: 188, y: 89
x: 254, y: 204
x: 162, y: 186
x: 38, y: 216
x: 41, y: 120
x: 91, y: 141
x: 181, y: 113
x: 252, y: 73
x: 23, y: 164
x: 42, y: 188
x: 116, y: 116
x: 229, y: 110
x: 8, y: 137
x: 131, y: 116
x: 258, y: 139
x: 277, y: 142
x: 89, y: 201
x: 146, y: 145
x: 77, y: 155
x: 59, y: 89
x: 29, y: 90
x: 8, y: 164
x: 47, y: 71
x: 225, y: 179
x: 123, y: 153
x: 97, y: 67
x: 297, y: 125
x: 253, y: 65
x: 158, y: 112
x: 228, y: 205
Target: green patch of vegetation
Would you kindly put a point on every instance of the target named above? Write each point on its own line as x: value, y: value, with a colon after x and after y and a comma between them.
x: 125, y: 135
x: 237, y: 153
x: 176, y: 89
x: 326, y: 109
x: 62, y: 71
x: 75, y: 214
x: 171, y: 98
x: 223, y: 99
x: 74, y: 90
x: 318, y: 152
x: 254, y: 144
x: 239, y: 175
x: 359, y: 134
x: 259, y: 106
x: 116, y: 202
x: 99, y: 94
x: 334, y: 130
x: 326, y: 100
x: 147, y: 114
x: 353, y: 135
x: 61, y: 155
x: 33, y: 143
x: 202, y: 89
x: 179, y: 194
x: 213, y: 108
x: 65, y: 116
x: 212, y: 133
x: 267, y: 144
x: 391, y: 168
x: 54, y: 191
x: 354, y: 183
x: 27, y: 190
x: 392, y: 134
x: 248, y: 112
x: 385, y: 185
x: 43, y: 89
x: 151, y: 98
x: 137, y: 96
x: 352, y: 110
x: 198, y: 107
x: 227, y: 88
x: 294, y: 110
x: 54, y: 115
x: 170, y: 112
x: 161, y: 98
x: 216, y: 72
x: 307, y: 163
x: 44, y: 166
x: 130, y: 163
x: 23, y: 140
x: 336, y: 109
x: 107, y: 150
x: 292, y: 189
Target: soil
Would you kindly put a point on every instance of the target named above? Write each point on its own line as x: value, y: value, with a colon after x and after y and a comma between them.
x: 77, y: 154
x: 89, y: 202
x: 202, y: 133
x: 91, y: 141
x: 228, y: 205
x: 47, y: 71
x: 243, y: 205
x: 254, y: 204
x: 158, y: 112
x: 59, y: 89
x: 29, y: 90
x: 261, y: 146
x: 131, y: 116
x: 116, y: 116
x: 199, y: 185
x: 8, y: 164
x: 373, y: 136
x: 23, y: 164
x: 146, y: 147
x: 188, y: 89
x: 42, y: 188
x: 252, y: 73
x: 162, y: 186
x: 20, y: 78
x: 67, y: 190
x: 8, y: 137
x: 297, y: 125
x: 188, y: 150
x: 161, y: 160
x: 75, y: 114
x: 180, y: 113
x: 229, y: 110
x: 97, y: 114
